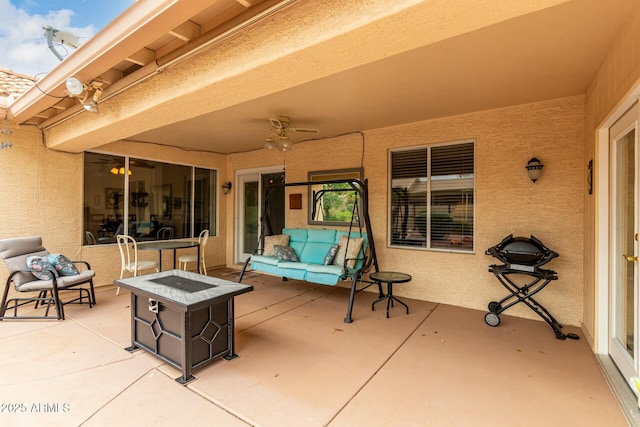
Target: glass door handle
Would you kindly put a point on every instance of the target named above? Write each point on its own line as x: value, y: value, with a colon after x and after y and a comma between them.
x: 630, y: 258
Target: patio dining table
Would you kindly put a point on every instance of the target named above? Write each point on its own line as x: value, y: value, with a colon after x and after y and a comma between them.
x: 170, y: 245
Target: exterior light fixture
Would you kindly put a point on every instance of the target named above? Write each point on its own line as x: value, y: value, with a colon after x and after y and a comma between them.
x: 5, y: 134
x: 534, y: 169
x: 226, y: 187
x: 88, y: 94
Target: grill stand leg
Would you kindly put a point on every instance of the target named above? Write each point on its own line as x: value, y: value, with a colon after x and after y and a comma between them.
x: 525, y: 294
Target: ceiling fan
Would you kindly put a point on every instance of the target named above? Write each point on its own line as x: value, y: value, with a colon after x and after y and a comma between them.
x: 280, y: 127
x: 283, y: 123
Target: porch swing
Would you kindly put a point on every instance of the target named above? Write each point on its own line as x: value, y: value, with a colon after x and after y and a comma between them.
x: 312, y: 245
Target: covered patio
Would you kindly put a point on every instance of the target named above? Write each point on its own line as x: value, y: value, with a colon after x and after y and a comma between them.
x: 300, y: 365
x: 193, y: 86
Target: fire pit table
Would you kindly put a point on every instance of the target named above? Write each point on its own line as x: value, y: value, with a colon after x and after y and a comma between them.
x: 184, y: 318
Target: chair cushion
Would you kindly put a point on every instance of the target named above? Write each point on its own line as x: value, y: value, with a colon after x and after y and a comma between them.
x: 290, y: 265
x: 41, y: 267
x: 271, y: 241
x: 188, y: 258
x: 10, y: 248
x: 14, y: 253
x: 63, y: 282
x: 63, y: 265
x: 285, y: 253
x: 142, y: 265
x: 321, y: 235
x: 269, y: 260
x: 325, y: 269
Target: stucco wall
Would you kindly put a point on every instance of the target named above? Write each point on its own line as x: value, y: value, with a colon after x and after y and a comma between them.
x: 506, y: 200
x: 617, y: 77
x: 43, y: 188
x: 42, y: 195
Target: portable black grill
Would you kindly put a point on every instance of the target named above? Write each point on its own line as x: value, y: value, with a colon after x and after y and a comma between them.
x: 523, y: 256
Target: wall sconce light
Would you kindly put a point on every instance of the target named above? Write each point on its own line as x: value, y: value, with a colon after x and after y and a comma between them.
x: 88, y: 94
x: 226, y: 187
x: 534, y: 169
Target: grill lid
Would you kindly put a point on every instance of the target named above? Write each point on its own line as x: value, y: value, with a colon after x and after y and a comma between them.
x: 522, y: 251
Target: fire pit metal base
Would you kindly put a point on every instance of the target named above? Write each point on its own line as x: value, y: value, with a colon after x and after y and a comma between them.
x: 184, y: 318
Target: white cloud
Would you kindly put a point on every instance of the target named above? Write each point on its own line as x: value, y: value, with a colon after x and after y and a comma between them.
x: 23, y: 43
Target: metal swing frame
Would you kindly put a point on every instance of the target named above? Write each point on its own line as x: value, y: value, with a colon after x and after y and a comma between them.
x: 369, y: 261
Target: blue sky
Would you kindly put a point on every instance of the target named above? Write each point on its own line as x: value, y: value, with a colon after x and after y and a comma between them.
x: 23, y: 46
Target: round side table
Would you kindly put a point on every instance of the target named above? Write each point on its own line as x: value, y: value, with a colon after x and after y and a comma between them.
x: 389, y: 277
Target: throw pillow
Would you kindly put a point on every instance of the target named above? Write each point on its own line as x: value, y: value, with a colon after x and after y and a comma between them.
x: 285, y: 253
x: 331, y: 254
x: 63, y: 265
x: 271, y: 241
x: 41, y: 267
x: 348, y: 248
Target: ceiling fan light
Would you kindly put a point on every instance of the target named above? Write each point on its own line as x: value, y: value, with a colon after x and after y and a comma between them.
x: 269, y: 144
x: 285, y: 143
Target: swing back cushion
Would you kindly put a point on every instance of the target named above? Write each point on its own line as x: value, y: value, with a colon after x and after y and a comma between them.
x: 311, y: 247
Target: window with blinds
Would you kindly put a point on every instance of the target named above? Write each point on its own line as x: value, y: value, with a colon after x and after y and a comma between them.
x: 432, y: 190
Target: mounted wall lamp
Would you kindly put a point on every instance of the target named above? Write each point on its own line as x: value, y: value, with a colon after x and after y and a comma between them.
x: 534, y: 169
x: 5, y: 134
x: 88, y: 94
x: 226, y: 187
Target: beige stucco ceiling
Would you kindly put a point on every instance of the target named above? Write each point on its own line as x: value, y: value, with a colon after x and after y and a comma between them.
x: 440, y: 63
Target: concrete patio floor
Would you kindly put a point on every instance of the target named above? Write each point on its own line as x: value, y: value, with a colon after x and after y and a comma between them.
x: 300, y: 365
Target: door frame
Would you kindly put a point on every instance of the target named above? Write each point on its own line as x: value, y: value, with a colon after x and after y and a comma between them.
x: 601, y: 181
x: 241, y: 175
x: 626, y: 363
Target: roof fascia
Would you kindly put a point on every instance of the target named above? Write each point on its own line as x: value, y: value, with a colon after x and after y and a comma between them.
x: 139, y: 25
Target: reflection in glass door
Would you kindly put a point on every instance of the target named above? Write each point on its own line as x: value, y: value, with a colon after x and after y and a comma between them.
x: 250, y: 195
x: 623, y: 334
x: 250, y: 211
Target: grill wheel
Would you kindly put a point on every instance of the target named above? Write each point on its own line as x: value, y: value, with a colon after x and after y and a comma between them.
x: 492, y: 319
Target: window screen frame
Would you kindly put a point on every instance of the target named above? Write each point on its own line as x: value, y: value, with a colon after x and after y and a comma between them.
x: 136, y: 196
x: 327, y: 175
x: 392, y: 219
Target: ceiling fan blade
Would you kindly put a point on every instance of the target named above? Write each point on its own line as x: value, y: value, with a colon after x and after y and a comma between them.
x: 303, y: 130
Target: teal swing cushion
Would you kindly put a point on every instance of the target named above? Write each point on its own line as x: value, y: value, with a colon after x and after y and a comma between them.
x: 313, y: 247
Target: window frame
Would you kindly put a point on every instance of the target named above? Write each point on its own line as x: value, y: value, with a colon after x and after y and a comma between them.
x: 428, y: 241
x: 126, y: 199
x: 328, y: 175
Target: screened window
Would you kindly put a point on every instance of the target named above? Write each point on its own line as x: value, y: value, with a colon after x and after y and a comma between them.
x: 146, y: 199
x: 432, y: 191
x: 333, y: 203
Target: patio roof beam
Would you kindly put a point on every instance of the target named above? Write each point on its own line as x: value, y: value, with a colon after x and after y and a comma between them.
x: 138, y: 26
x: 266, y: 8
